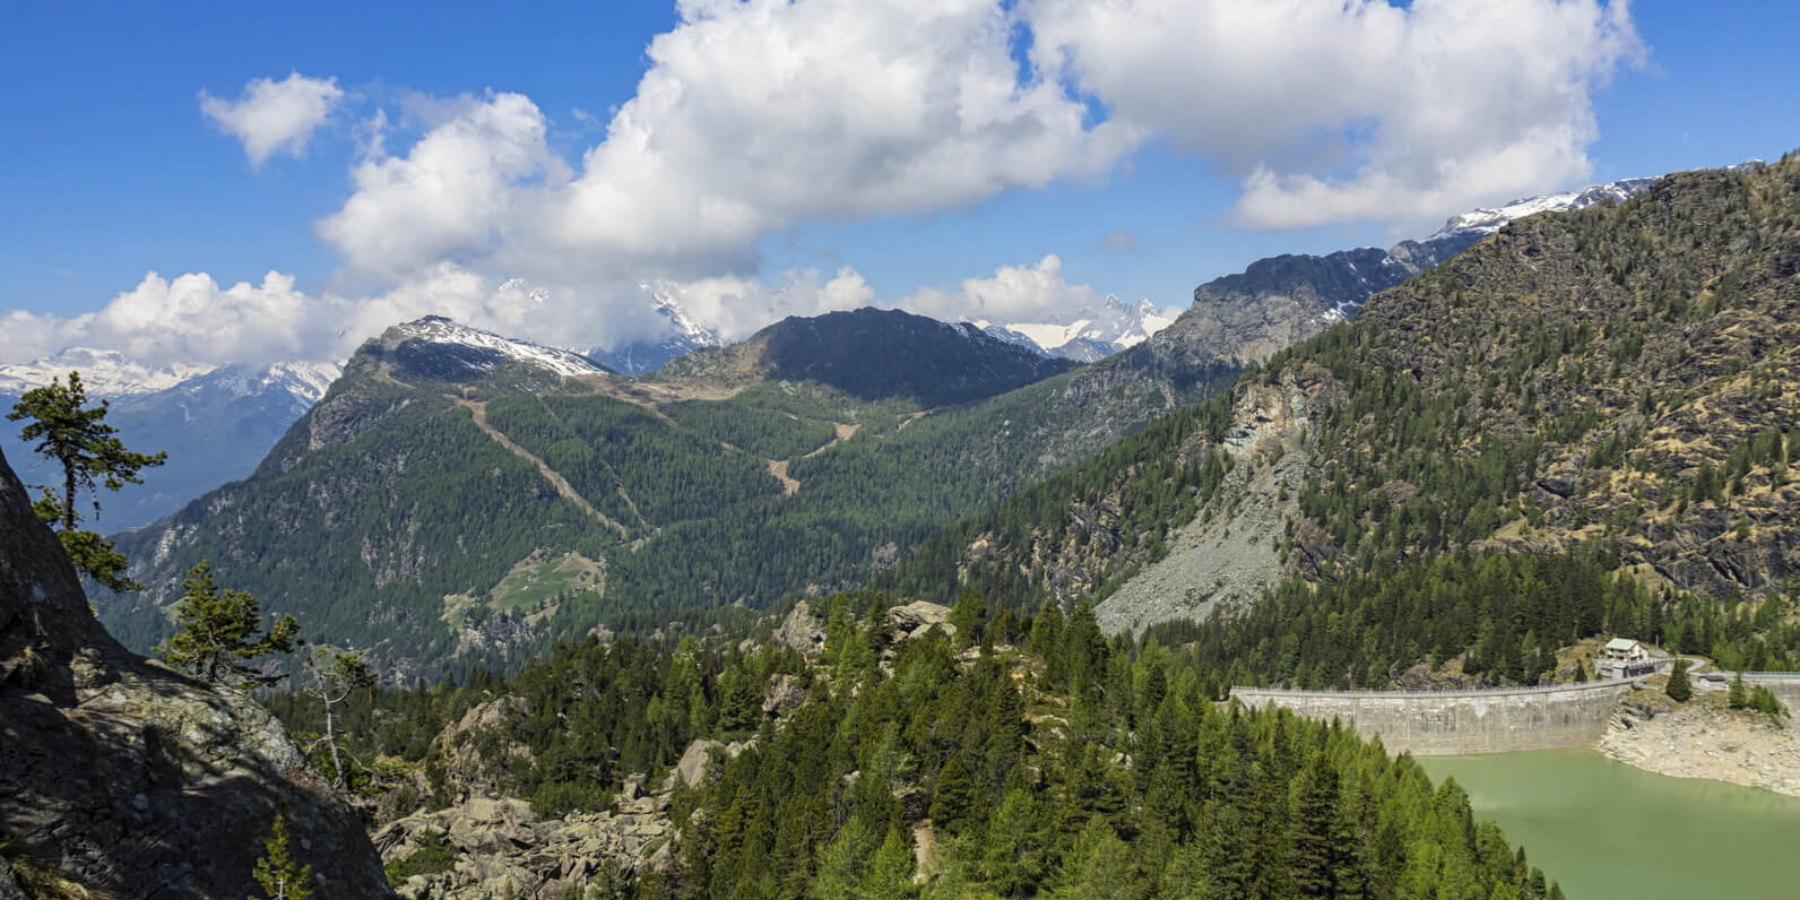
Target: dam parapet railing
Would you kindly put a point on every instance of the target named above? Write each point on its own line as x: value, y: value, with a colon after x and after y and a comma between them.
x: 1456, y: 722
x: 1445, y: 693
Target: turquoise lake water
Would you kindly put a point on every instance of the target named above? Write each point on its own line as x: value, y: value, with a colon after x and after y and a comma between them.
x: 1604, y: 829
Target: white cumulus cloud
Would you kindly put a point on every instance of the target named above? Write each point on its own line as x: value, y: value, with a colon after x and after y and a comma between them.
x: 1013, y: 294
x: 274, y: 116
x: 738, y: 305
x: 452, y: 197
x: 752, y: 118
x: 755, y: 117
x: 1341, y: 110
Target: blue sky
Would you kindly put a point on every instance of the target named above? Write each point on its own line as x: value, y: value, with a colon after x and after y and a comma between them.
x: 111, y: 170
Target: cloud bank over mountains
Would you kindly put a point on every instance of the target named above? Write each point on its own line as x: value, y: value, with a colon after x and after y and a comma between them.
x: 755, y: 117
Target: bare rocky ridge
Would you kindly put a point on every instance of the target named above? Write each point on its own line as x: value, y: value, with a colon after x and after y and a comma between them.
x: 1629, y: 349
x: 129, y: 778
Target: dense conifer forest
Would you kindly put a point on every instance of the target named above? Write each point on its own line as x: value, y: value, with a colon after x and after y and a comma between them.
x: 1066, y: 766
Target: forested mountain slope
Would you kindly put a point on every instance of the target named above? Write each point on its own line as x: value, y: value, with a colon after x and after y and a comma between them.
x: 1057, y: 765
x: 873, y: 354
x: 1618, y: 377
x: 460, y: 497
x: 466, y: 498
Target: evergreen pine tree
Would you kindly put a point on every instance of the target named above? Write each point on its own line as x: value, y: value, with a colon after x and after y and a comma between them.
x: 1679, y: 689
x: 969, y: 617
x: 73, y: 435
x: 1013, y: 855
x: 219, y: 633
x: 890, y: 872
x: 281, y: 877
x: 1739, y: 697
x: 954, y: 794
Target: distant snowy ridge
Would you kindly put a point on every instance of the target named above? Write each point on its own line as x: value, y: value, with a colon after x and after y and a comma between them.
x: 305, y: 382
x: 441, y: 331
x: 1089, y: 334
x: 1486, y: 221
x: 105, y: 373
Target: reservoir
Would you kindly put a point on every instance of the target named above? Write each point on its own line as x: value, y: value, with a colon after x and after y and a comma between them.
x: 1605, y: 829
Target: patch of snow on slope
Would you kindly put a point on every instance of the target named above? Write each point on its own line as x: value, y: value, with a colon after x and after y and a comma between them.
x: 440, y: 330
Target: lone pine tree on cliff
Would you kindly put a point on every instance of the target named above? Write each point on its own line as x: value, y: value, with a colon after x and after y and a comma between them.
x: 75, y: 436
x: 219, y: 633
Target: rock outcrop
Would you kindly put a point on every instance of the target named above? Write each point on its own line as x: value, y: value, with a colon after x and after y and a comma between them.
x: 914, y: 616
x: 502, y: 848
x: 802, y: 630
x: 128, y: 778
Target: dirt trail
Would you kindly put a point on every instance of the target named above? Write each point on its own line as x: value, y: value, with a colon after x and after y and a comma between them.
x: 478, y: 409
x: 778, y: 468
x: 844, y: 433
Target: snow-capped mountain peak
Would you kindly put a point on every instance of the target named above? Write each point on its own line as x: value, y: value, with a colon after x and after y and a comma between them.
x: 1487, y: 220
x: 1088, y: 334
x: 681, y: 335
x: 105, y: 373
x: 440, y: 330
x: 684, y: 325
x: 303, y: 381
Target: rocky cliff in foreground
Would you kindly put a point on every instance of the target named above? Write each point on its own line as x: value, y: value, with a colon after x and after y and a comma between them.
x: 127, y: 780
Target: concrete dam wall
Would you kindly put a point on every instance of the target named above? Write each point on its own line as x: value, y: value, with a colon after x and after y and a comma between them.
x: 1453, y: 723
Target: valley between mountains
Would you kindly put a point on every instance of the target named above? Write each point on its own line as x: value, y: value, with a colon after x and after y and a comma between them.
x: 871, y: 604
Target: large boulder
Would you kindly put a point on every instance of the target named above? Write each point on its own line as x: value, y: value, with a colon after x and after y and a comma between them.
x: 129, y: 778
x: 472, y: 767
x: 918, y: 615
x: 786, y: 693
x: 802, y: 630
x: 695, y: 762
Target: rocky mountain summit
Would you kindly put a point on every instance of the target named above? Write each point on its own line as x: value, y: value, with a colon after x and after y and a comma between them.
x: 128, y: 779
x: 873, y: 354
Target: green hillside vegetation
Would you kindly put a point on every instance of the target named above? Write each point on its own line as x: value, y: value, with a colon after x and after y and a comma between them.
x: 1070, y: 769
x: 1502, y: 618
x: 1142, y: 486
x: 372, y: 515
x: 1618, y: 377
x: 626, y: 461
x: 781, y: 436
x: 700, y: 499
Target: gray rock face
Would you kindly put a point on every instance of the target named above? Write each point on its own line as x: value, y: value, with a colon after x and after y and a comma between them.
x: 9, y: 888
x: 801, y: 630
x: 696, y: 760
x: 465, y: 767
x: 913, y: 616
x: 130, y: 778
x: 501, y: 845
x: 785, y: 695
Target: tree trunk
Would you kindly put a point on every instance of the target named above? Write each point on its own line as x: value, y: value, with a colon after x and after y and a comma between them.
x: 68, y: 510
x: 337, y: 765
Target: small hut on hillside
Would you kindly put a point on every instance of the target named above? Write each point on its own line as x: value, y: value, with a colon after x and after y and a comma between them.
x: 1625, y: 658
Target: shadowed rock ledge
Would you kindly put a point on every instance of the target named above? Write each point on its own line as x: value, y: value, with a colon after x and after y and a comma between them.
x: 128, y: 778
